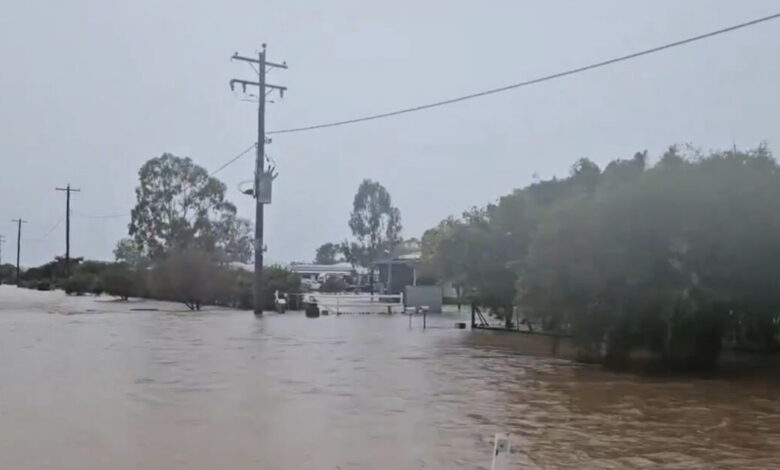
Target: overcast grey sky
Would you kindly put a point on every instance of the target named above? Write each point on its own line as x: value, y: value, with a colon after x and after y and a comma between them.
x: 93, y: 88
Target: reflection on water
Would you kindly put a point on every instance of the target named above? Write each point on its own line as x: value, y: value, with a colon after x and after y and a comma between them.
x: 157, y: 390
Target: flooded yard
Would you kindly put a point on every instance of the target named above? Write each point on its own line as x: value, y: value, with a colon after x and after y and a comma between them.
x: 96, y: 384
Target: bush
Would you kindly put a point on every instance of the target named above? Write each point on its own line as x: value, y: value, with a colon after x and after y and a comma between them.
x: 333, y: 284
x: 195, y: 279
x: 278, y: 278
x: 184, y: 276
x: 97, y: 287
x: 120, y: 281
x: 78, y: 284
x: 235, y: 287
x: 43, y: 284
x: 28, y: 284
x: 50, y: 270
x: 7, y: 273
x: 93, y: 268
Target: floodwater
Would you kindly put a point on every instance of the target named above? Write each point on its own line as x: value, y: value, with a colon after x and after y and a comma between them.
x: 94, y: 385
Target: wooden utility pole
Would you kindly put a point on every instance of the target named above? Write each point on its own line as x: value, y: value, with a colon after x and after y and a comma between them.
x: 2, y: 240
x: 67, y: 190
x: 263, y: 178
x: 20, y: 221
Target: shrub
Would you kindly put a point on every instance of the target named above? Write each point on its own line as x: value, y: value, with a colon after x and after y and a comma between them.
x: 278, y: 278
x: 195, y: 279
x: 333, y: 284
x: 78, y: 284
x: 184, y: 276
x: 235, y: 287
x: 28, y: 284
x: 120, y: 281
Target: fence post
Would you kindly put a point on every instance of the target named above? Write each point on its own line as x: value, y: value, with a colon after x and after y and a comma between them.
x: 501, y: 450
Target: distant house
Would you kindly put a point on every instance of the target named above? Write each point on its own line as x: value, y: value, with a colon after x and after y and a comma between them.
x: 398, y: 270
x: 313, y: 275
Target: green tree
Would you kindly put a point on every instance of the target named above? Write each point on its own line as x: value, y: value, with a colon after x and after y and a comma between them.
x: 328, y: 253
x: 678, y: 258
x: 129, y: 252
x: 179, y: 206
x: 353, y: 253
x: 375, y: 223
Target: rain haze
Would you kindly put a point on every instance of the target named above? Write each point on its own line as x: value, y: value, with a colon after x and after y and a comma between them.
x: 93, y: 89
x: 585, y: 276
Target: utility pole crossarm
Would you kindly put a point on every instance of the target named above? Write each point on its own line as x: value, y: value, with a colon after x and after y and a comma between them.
x: 283, y: 65
x: 244, y: 84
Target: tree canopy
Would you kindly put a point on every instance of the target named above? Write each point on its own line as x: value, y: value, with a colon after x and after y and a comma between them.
x: 375, y: 224
x: 328, y: 253
x: 179, y: 206
x: 678, y: 258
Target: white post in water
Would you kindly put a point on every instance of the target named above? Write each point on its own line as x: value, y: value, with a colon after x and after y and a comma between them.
x: 501, y: 452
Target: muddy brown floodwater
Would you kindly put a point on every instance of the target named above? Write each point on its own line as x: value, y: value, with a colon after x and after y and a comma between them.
x: 110, y: 388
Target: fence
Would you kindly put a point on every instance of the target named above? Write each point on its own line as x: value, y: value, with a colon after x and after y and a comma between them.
x: 355, y: 303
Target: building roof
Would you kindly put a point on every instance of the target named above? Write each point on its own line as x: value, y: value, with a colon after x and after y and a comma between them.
x: 407, y: 258
x: 339, y: 268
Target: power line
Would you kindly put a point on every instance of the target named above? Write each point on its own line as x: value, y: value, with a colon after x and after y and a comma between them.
x: 46, y: 234
x: 107, y: 216
x: 49, y: 232
x: 533, y: 81
x: 233, y: 160
x: 126, y: 214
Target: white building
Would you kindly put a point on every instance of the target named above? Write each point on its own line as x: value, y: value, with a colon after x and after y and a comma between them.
x: 313, y: 275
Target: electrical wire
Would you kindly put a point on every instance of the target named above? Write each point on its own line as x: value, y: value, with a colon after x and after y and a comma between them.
x: 127, y: 214
x: 479, y: 94
x: 270, y: 159
x: 45, y: 235
x: 233, y: 160
x: 107, y: 216
x: 52, y: 229
x: 532, y: 81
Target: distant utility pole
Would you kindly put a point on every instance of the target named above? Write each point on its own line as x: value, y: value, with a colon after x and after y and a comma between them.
x: 67, y: 190
x: 2, y: 240
x: 20, y: 221
x: 263, y: 178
